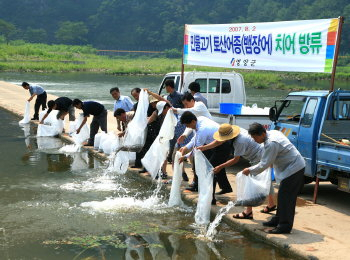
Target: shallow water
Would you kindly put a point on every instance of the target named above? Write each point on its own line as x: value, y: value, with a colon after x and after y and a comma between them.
x: 58, y: 206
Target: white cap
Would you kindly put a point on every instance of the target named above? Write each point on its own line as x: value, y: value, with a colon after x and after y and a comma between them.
x: 160, y: 106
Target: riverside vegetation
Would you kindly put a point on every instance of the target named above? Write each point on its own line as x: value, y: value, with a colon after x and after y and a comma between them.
x: 29, y: 57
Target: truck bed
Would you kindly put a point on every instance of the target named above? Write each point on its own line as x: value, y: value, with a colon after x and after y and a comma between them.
x: 241, y: 120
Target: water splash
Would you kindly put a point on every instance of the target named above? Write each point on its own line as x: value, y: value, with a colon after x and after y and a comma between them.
x: 111, y: 205
x: 100, y: 183
x: 212, y: 227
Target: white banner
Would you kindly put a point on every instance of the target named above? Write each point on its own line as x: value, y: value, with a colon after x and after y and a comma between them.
x: 305, y: 46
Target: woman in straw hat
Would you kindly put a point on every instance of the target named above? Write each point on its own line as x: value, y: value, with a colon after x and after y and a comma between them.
x: 244, y: 146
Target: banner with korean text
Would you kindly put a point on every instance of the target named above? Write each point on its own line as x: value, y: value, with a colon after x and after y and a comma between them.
x: 303, y: 46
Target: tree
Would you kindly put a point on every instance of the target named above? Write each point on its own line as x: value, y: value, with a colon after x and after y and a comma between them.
x: 7, y: 30
x: 35, y: 35
x: 71, y: 32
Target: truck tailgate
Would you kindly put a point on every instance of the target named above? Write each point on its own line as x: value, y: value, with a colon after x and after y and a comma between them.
x: 333, y: 155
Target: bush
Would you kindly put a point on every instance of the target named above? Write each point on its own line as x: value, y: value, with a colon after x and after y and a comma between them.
x: 173, y: 53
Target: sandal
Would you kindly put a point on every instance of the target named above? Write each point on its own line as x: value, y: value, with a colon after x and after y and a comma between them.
x: 245, y: 216
x: 267, y: 209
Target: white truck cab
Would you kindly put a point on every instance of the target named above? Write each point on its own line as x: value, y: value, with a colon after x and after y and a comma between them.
x: 218, y: 87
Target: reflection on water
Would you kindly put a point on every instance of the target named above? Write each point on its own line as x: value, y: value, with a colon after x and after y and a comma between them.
x: 65, y: 206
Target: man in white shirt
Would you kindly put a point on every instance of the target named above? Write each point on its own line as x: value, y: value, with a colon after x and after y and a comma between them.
x: 289, y: 168
x: 205, y: 129
x: 244, y: 146
x: 123, y: 102
x: 195, y: 89
x: 196, y: 107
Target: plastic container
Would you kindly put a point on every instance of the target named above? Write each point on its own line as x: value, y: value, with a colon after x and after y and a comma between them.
x: 230, y: 108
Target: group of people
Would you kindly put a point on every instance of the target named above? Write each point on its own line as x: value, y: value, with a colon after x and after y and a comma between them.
x: 196, y: 130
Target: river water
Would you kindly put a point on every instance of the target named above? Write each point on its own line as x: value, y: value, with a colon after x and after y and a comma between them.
x: 89, y: 86
x: 59, y: 206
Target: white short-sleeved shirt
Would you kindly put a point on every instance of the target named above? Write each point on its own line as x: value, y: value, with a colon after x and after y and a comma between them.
x: 246, y: 147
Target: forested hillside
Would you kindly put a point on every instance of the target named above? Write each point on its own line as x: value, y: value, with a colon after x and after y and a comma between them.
x: 148, y: 24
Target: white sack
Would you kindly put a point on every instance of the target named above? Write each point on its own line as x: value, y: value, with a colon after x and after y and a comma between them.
x: 50, y: 130
x: 108, y: 143
x: 116, y: 144
x: 26, y: 118
x: 253, y: 190
x: 204, y: 171
x: 84, y: 133
x: 97, y: 140
x: 104, y: 137
x: 121, y: 162
x: 135, y: 135
x: 175, y: 192
x: 157, y: 153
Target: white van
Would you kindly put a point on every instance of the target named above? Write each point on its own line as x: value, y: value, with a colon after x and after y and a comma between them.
x: 217, y: 87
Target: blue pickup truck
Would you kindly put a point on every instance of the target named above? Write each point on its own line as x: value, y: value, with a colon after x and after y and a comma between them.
x: 318, y: 124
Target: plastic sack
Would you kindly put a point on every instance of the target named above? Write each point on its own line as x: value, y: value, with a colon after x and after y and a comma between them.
x: 136, y: 132
x: 84, y: 133
x: 204, y: 171
x: 104, y: 137
x: 121, y: 162
x: 116, y: 144
x: 175, y: 193
x: 253, y: 190
x: 157, y: 153
x: 26, y: 118
x: 97, y: 140
x: 52, y: 126
x: 107, y: 143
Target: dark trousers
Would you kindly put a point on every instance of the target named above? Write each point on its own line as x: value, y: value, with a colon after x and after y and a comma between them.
x: 287, y: 197
x: 40, y: 101
x: 98, y: 121
x: 138, y: 159
x: 71, y: 112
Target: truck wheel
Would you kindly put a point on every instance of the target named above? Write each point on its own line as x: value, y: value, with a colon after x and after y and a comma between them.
x: 308, y: 179
x: 334, y: 181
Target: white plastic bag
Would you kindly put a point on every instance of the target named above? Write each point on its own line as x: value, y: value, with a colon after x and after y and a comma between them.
x: 84, y: 133
x: 108, y: 143
x: 253, y: 190
x: 97, y: 140
x: 157, y: 153
x: 50, y: 130
x: 121, y: 162
x: 175, y: 192
x: 116, y: 144
x: 26, y: 118
x: 135, y: 135
x: 204, y: 172
x: 104, y: 137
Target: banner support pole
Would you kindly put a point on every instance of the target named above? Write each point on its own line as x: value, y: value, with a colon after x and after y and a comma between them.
x: 335, y: 61
x: 182, y: 62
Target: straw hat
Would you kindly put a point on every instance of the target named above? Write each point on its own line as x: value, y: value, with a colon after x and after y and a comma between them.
x: 160, y: 106
x: 226, y: 132
x: 152, y: 99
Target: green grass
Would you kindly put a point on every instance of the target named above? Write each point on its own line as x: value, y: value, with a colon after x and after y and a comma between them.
x: 20, y: 56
